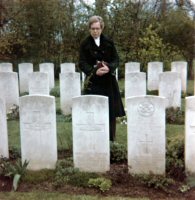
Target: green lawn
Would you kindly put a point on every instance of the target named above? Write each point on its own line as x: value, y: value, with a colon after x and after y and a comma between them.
x: 64, y: 127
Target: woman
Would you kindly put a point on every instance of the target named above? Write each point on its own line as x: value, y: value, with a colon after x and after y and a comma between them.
x: 98, y: 60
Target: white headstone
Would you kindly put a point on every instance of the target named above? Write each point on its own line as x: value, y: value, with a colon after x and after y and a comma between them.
x: 132, y: 67
x: 135, y: 84
x: 38, y: 131
x: 181, y: 67
x: 6, y: 67
x: 24, y: 70
x: 190, y: 135
x: 170, y: 87
x: 153, y: 71
x: 48, y: 68
x: 38, y: 83
x: 146, y: 134
x: 67, y: 67
x: 90, y: 120
x: 70, y: 86
x: 4, y: 152
x: 9, y: 89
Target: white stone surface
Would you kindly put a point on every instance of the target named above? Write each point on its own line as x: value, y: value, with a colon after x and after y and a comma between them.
x: 170, y: 87
x: 135, y: 84
x: 153, y: 71
x: 67, y: 67
x: 38, y: 83
x: 132, y: 67
x: 48, y: 68
x: 24, y: 69
x: 146, y: 134
x: 4, y: 152
x: 9, y: 89
x: 38, y: 131
x: 190, y: 135
x: 181, y: 67
x: 91, y: 151
x: 6, y: 67
x: 70, y: 86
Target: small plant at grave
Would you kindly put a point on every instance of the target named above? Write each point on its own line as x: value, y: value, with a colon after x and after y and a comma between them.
x: 184, y: 188
x: 13, y: 112
x: 122, y: 120
x: 68, y: 118
x: 65, y: 173
x: 103, y: 184
x: 175, y: 158
x: 174, y: 116
x: 118, y: 152
x: 155, y: 181
x: 15, y: 170
x: 55, y: 91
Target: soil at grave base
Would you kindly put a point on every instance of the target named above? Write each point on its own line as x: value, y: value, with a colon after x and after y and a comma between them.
x: 123, y: 185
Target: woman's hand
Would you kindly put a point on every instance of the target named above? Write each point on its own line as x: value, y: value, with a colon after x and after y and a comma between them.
x: 102, y: 70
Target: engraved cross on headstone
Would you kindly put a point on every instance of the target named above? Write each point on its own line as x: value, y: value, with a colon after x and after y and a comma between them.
x: 37, y: 122
x: 90, y: 124
x: 145, y: 142
x: 92, y: 128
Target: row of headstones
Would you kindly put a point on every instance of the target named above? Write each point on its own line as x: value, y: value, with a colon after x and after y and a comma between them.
x: 153, y: 71
x: 25, y: 68
x: 39, y: 83
x: 146, y: 138
x: 169, y: 84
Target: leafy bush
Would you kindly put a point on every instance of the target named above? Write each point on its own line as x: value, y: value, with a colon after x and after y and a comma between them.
x: 13, y: 112
x: 55, y: 91
x: 174, y: 116
x: 13, y: 169
x: 65, y: 173
x: 101, y: 183
x: 175, y: 158
x: 155, y: 181
x: 118, y: 152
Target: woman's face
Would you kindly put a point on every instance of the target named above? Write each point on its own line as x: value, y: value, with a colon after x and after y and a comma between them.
x: 95, y: 30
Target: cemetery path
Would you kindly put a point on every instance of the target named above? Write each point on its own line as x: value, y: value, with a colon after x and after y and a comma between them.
x: 123, y: 185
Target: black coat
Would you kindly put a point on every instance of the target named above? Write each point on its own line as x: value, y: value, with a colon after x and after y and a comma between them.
x: 105, y: 85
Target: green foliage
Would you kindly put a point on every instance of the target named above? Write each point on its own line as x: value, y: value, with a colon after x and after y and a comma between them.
x: 152, y: 48
x: 13, y: 112
x: 65, y: 173
x: 103, y: 184
x: 174, y: 116
x: 155, y: 181
x: 118, y: 152
x: 15, y: 170
x: 184, y: 188
x: 175, y: 158
x: 55, y: 91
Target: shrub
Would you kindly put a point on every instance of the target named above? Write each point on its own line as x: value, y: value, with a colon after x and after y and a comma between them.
x: 13, y: 112
x: 55, y: 91
x: 174, y: 116
x: 14, y: 170
x: 155, y: 181
x: 118, y: 152
x: 175, y: 158
x: 65, y: 173
x: 101, y: 183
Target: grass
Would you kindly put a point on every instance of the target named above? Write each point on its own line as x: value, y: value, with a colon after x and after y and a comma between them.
x: 64, y: 129
x: 57, y: 196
